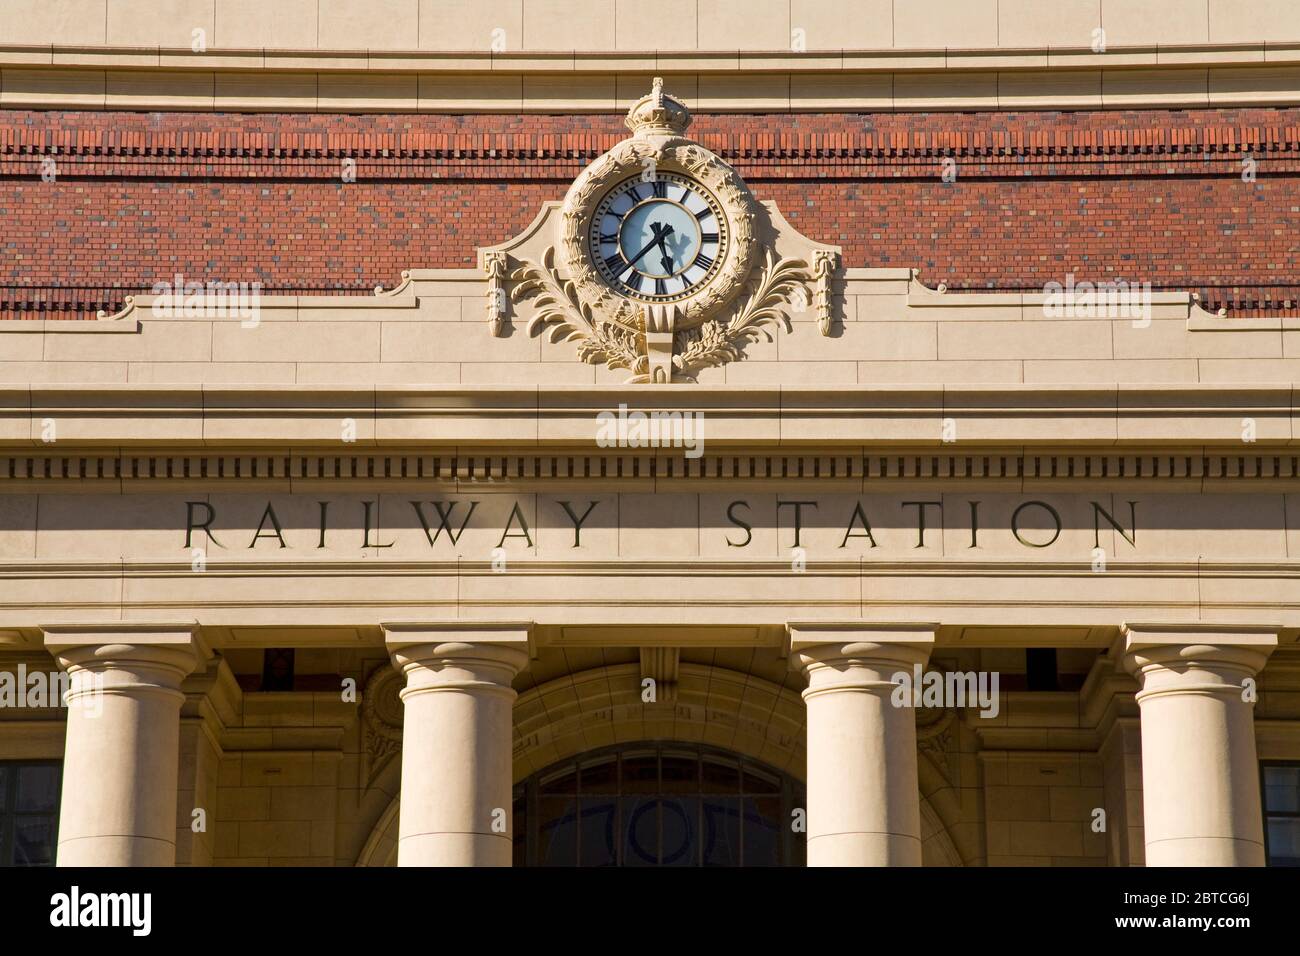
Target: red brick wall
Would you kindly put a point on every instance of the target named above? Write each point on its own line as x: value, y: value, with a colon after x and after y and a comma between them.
x: 1143, y: 195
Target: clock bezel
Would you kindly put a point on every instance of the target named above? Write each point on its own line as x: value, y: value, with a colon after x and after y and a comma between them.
x: 614, y: 191
x: 712, y: 177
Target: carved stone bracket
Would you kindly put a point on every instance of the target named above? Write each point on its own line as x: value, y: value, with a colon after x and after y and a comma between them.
x: 661, y: 665
x: 934, y: 737
x: 381, y: 722
x: 826, y: 263
x: 494, y: 264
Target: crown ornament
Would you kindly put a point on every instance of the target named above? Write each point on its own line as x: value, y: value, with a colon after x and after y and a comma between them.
x: 658, y: 113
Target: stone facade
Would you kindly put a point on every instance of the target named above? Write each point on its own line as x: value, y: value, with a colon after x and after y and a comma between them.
x: 964, y: 536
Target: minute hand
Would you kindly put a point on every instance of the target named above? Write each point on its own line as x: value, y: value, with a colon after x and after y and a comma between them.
x: 657, y: 240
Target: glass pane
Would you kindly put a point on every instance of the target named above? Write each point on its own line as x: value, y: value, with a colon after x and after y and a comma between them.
x: 561, y: 783
x: 599, y: 777
x: 641, y: 831
x: 1284, y: 841
x: 1282, y: 789
x: 641, y: 773
x: 649, y: 805
x: 33, y: 841
x: 38, y: 787
x: 720, y: 777
x: 4, y: 788
x: 557, y: 831
x: 721, y: 834
x: 599, y: 825
x: 762, y: 831
x: 756, y: 781
x: 681, y: 773
x: 681, y: 821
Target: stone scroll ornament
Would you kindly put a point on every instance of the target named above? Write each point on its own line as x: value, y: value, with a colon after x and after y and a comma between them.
x: 825, y: 265
x: 657, y: 268
x: 495, y: 265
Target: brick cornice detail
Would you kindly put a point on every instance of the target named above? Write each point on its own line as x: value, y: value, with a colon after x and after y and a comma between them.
x: 128, y: 137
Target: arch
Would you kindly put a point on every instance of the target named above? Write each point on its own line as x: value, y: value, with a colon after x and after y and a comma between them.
x: 658, y: 801
x: 601, y: 707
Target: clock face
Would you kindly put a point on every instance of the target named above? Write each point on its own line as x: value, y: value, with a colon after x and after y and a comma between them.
x: 660, y: 239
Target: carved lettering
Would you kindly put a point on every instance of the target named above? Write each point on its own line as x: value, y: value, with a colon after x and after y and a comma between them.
x: 577, y: 522
x: 749, y: 530
x: 859, y: 517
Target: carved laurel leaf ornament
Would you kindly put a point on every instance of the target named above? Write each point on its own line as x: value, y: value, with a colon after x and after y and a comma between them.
x: 571, y: 320
x: 717, y: 342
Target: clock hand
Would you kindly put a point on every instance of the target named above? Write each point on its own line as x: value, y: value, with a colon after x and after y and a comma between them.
x: 666, y: 262
x: 656, y: 241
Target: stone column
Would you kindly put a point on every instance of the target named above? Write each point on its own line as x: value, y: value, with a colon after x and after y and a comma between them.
x: 118, y: 806
x: 864, y: 804
x: 456, y: 740
x: 1200, y: 776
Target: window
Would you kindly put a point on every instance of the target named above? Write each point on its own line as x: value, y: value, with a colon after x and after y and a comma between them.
x: 1281, y: 787
x: 658, y: 805
x: 29, y: 812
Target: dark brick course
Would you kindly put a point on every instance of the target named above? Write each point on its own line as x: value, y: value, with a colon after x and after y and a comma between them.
x: 1143, y: 195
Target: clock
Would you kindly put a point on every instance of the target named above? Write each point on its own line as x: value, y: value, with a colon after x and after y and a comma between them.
x: 658, y: 237
x: 659, y: 260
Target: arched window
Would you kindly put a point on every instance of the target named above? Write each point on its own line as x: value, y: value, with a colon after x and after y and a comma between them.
x: 659, y: 804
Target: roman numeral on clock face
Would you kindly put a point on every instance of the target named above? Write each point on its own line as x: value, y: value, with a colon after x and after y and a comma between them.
x: 708, y: 237
x: 661, y: 189
x: 609, y: 237
x: 704, y: 262
x: 634, y: 281
x: 615, y: 264
x: 661, y: 287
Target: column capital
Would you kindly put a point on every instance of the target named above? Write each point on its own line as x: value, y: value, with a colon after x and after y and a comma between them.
x: 458, y: 655
x: 176, y: 647
x: 1240, y: 648
x: 822, y: 642
x: 506, y: 634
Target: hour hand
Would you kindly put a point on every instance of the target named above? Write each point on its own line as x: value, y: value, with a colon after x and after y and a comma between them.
x: 666, y: 261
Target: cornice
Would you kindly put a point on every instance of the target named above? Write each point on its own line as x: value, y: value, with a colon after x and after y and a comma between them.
x: 975, y: 417
x: 394, y: 80
x: 920, y: 59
